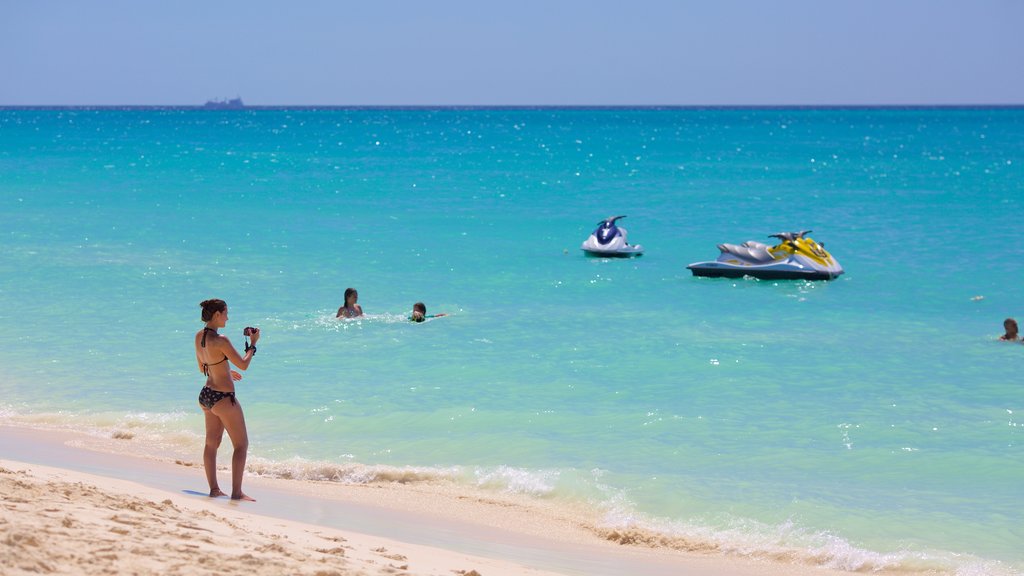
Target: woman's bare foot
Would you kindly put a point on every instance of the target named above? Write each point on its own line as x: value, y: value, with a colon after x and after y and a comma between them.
x: 241, y: 496
x: 216, y: 492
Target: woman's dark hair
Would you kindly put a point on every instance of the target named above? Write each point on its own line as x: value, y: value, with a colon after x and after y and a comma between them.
x: 349, y: 292
x: 420, y: 306
x: 211, y: 307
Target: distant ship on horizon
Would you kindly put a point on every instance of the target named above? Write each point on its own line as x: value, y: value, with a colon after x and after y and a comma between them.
x: 233, y: 104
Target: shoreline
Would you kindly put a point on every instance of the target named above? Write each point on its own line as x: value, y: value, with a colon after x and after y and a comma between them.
x: 65, y: 522
x: 428, y: 528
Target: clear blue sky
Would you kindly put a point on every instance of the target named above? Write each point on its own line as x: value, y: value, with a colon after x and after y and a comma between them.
x: 530, y: 52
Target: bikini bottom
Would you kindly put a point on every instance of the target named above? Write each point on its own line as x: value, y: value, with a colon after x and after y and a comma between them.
x: 208, y: 397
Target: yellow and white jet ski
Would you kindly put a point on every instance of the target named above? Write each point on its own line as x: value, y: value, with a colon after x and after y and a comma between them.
x: 796, y: 256
x: 609, y: 240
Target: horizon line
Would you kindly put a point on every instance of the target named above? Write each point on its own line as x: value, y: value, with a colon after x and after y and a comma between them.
x: 501, y: 106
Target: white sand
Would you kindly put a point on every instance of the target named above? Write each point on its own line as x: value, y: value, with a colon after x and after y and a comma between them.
x: 55, y: 521
x: 113, y: 514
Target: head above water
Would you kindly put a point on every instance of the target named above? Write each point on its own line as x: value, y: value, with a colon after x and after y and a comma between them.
x: 351, y: 293
x: 211, y: 307
x: 1010, y: 325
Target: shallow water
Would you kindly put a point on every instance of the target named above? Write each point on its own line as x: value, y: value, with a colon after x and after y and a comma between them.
x: 869, y: 421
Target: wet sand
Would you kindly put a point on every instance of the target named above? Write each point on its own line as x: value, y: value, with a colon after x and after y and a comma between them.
x: 69, y: 509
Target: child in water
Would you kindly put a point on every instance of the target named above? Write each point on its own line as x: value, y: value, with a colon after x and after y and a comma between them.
x: 419, y: 313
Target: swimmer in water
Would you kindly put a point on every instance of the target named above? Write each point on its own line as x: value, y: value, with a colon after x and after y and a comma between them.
x: 419, y: 313
x: 1010, y: 325
x: 351, y: 309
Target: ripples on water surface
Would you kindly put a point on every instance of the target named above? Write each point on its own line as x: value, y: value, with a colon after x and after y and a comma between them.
x: 868, y: 421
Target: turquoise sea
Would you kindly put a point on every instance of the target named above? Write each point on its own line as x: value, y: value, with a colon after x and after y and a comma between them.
x: 870, y: 422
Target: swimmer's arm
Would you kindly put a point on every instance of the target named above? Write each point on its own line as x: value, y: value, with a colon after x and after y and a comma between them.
x: 341, y: 312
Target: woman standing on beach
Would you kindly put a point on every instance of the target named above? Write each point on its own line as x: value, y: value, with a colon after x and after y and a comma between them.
x: 217, y: 398
x: 351, y: 309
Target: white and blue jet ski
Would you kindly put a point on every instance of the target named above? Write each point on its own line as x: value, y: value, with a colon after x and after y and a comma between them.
x: 609, y: 240
x: 796, y: 256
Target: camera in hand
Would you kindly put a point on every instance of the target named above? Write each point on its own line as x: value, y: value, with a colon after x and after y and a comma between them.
x: 249, y: 331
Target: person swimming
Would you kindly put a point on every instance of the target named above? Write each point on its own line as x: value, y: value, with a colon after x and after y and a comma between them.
x: 419, y: 313
x: 350, y: 309
x: 1010, y: 327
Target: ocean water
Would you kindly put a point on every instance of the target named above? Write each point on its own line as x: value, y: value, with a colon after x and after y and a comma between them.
x: 870, y: 422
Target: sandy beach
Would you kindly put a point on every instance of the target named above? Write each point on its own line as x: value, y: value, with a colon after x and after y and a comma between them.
x: 69, y: 509
x: 56, y: 521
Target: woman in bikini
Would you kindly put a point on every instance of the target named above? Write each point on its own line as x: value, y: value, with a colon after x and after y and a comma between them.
x: 350, y: 309
x: 217, y: 398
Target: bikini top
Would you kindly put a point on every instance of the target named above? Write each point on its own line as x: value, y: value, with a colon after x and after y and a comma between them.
x: 202, y: 344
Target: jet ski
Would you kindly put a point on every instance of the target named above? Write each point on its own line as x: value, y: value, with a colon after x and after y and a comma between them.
x: 609, y: 240
x: 796, y: 256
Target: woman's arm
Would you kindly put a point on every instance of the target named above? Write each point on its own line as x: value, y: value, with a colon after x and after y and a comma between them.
x: 233, y: 356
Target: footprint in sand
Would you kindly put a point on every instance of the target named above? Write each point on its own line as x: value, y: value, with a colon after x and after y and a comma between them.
x: 384, y: 552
